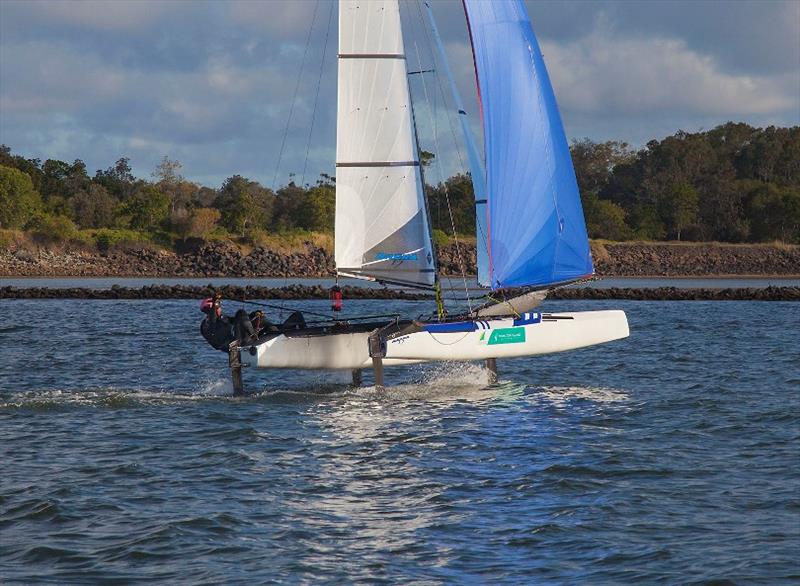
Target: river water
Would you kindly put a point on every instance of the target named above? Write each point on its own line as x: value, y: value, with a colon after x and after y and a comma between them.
x: 669, y: 457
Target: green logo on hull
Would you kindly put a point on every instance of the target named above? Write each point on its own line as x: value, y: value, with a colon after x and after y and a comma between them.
x: 507, y: 336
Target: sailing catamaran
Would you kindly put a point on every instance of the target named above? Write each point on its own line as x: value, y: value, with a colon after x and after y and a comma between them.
x: 531, y: 232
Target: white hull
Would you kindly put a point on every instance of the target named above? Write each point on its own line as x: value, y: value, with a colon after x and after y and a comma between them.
x: 329, y: 351
x: 530, y: 335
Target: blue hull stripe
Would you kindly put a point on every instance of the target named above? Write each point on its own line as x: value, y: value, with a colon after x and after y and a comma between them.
x: 528, y: 318
x: 461, y: 326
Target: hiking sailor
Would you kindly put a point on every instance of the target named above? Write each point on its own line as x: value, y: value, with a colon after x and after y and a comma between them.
x: 216, y: 328
x: 261, y: 325
x: 220, y: 330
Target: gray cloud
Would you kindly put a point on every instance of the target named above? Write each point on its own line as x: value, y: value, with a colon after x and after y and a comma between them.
x: 605, y: 75
x: 211, y: 83
x: 126, y: 17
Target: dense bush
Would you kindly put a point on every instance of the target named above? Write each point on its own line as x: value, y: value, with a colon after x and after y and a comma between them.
x: 55, y: 229
x: 19, y: 201
x: 8, y: 238
x: 107, y: 238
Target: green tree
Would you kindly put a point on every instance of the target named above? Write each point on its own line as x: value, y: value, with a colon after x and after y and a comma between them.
x: 93, y: 208
x: 289, y: 206
x: 118, y: 180
x: 319, y: 209
x: 55, y: 228
x: 182, y: 194
x: 146, y: 208
x: 205, y: 197
x: 244, y: 205
x: 167, y: 172
x: 721, y: 205
x: 6, y: 158
x: 594, y: 162
x: 19, y: 201
x: 679, y: 207
x: 77, y: 179
x: 32, y: 167
x: 646, y: 223
x: 455, y: 195
x: 775, y: 213
x: 54, y: 180
x: 203, y: 221
x: 604, y: 219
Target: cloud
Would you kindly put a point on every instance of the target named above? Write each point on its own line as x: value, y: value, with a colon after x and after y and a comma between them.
x: 281, y: 19
x: 119, y: 15
x: 602, y: 74
x: 222, y: 118
x: 40, y: 76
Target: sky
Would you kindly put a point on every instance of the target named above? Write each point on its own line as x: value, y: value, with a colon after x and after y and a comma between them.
x: 217, y: 84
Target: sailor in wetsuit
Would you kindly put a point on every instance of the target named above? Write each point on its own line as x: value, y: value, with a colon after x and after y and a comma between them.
x: 220, y: 330
x: 261, y: 325
x: 216, y: 328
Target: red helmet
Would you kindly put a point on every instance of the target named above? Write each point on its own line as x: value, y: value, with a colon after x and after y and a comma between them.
x: 206, y: 304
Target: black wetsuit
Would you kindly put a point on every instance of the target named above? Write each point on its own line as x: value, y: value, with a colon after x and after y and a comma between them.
x: 261, y: 324
x: 245, y: 332
x: 217, y: 331
x: 295, y: 321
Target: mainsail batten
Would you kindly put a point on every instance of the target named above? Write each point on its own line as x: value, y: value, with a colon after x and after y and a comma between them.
x: 382, y: 229
x: 537, y: 232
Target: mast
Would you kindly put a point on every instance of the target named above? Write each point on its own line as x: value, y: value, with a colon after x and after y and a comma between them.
x: 437, y: 286
x: 475, y: 163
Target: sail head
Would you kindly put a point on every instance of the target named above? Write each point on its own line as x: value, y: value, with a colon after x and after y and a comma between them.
x: 537, y: 232
x: 382, y: 229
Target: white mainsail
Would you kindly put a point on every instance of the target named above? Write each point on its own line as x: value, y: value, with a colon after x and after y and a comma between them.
x: 382, y: 229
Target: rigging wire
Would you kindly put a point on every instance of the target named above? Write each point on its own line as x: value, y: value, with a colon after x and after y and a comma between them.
x: 434, y: 125
x: 448, y: 112
x: 294, y: 97
x: 289, y: 119
x: 316, y: 96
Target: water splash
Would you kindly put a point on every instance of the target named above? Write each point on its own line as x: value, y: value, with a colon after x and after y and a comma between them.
x: 215, y: 388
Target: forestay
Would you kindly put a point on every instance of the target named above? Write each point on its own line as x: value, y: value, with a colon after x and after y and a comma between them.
x: 476, y: 168
x: 382, y: 229
x: 537, y: 232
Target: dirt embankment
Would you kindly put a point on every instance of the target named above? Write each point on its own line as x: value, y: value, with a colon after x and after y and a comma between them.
x: 223, y: 259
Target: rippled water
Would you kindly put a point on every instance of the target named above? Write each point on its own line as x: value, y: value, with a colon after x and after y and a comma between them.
x: 668, y: 457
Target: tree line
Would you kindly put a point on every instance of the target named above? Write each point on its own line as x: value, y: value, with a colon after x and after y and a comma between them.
x: 61, y: 201
x: 734, y: 183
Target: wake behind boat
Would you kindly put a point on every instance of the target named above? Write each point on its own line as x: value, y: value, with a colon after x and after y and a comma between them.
x: 531, y: 232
